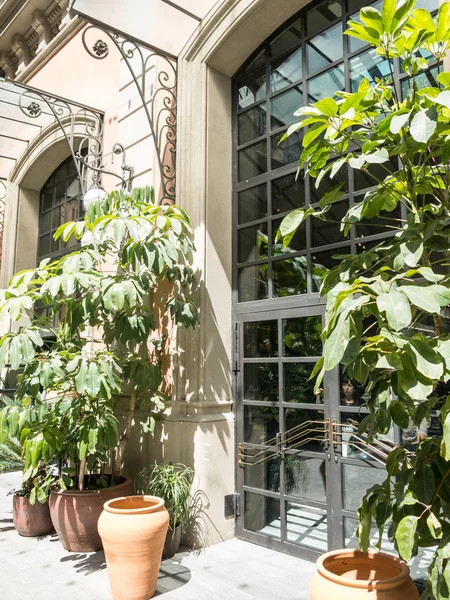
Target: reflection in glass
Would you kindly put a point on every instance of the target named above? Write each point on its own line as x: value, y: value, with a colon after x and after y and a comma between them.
x: 258, y: 61
x: 262, y: 515
x: 47, y: 198
x: 265, y: 476
x: 421, y: 80
x: 305, y: 429
x: 261, y: 382
x: 290, y: 38
x: 252, y: 242
x: 252, y: 204
x: 305, y: 473
x: 252, y: 88
x: 329, y: 231
x: 252, y: 124
x: 45, y: 223
x: 325, y: 48
x: 326, y: 84
x: 368, y: 65
x: 373, y: 173
x: 297, y: 388
x: 355, y: 481
x: 302, y: 336
x: 261, y: 339
x: 381, y: 224
x: 252, y: 161
x: 322, y: 262
x: 283, y: 107
x: 261, y: 424
x: 252, y: 283
x: 286, y: 70
x: 288, y: 151
x: 287, y: 193
x: 289, y: 277
x: 298, y: 242
x: 322, y: 16
x: 307, y: 526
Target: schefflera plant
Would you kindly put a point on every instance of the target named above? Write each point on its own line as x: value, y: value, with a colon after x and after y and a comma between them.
x: 377, y: 299
x: 104, y: 302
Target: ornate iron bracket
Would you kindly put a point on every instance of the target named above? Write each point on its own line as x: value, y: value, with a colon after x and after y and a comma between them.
x: 77, y: 122
x: 159, y: 104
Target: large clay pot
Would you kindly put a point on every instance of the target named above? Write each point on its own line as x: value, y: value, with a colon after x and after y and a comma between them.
x: 133, y: 530
x: 75, y: 515
x: 31, y: 520
x: 355, y: 575
x: 172, y: 542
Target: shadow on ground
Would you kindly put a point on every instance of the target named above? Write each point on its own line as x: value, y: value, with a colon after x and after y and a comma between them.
x: 172, y: 575
x: 86, y: 563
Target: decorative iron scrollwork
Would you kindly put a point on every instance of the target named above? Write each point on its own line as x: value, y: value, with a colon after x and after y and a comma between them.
x: 33, y: 109
x: 159, y: 102
x: 100, y: 49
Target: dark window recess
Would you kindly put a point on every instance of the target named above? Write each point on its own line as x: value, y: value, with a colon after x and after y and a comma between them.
x: 60, y: 201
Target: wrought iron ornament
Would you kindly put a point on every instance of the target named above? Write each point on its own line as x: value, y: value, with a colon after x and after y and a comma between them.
x: 75, y: 122
x: 160, y: 104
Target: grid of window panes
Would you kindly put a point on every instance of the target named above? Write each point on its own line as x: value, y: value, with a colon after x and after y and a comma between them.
x: 60, y: 202
x: 309, y: 59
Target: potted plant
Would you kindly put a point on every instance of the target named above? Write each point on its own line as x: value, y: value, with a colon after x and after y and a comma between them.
x: 103, y: 347
x: 383, y: 300
x: 172, y: 483
x: 31, y: 515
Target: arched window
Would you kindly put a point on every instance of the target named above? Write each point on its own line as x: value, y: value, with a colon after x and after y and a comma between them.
x: 60, y: 201
x: 306, y: 60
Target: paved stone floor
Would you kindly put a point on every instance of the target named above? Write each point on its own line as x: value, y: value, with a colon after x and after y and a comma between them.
x: 40, y: 569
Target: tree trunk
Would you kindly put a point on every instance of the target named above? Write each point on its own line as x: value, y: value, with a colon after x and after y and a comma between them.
x: 81, y: 472
x: 117, y: 464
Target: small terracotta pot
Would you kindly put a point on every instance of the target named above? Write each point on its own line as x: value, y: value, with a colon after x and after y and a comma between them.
x: 172, y: 542
x: 133, y: 530
x: 31, y: 520
x: 75, y: 515
x: 355, y: 575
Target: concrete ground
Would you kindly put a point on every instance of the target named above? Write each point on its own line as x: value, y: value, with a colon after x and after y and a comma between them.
x: 40, y: 568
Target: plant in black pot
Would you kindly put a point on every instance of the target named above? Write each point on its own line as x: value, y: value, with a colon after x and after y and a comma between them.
x: 172, y: 483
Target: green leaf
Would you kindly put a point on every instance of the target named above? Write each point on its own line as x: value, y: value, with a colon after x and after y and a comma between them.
x: 421, y: 297
x: 398, y: 121
x: 423, y: 124
x: 434, y: 526
x: 443, y: 23
x: 397, y: 309
x: 291, y: 222
x: 336, y: 343
x: 405, y: 536
x: 388, y: 9
x: 327, y: 106
x: 426, y: 360
x: 15, y: 352
x: 333, y: 195
x: 393, y: 461
x: 93, y: 382
x: 399, y: 415
x: 378, y: 157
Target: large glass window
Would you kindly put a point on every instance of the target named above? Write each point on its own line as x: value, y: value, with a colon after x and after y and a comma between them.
x: 306, y: 60
x: 60, y: 202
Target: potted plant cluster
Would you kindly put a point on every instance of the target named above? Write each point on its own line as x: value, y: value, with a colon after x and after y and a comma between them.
x: 172, y: 483
x: 382, y: 300
x: 102, y: 348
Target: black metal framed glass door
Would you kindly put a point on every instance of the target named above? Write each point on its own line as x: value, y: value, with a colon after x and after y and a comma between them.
x: 302, y: 466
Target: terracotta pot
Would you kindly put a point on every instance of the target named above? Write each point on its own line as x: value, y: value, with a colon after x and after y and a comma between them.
x: 31, y: 520
x: 133, y: 530
x: 355, y: 575
x: 75, y: 515
x: 172, y: 542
